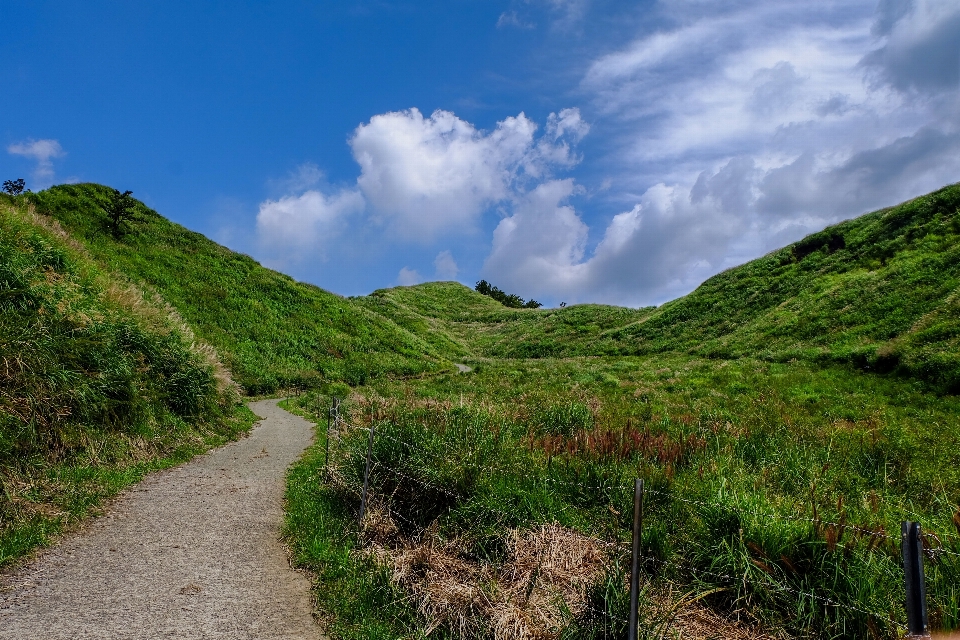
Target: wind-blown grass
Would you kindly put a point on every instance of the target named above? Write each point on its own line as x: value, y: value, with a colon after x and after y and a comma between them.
x: 98, y: 384
x: 767, y: 481
x: 271, y: 331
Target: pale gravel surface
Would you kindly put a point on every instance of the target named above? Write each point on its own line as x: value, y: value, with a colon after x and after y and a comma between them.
x: 191, y: 552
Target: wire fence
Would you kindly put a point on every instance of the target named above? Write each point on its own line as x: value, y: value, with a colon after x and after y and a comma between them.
x: 933, y: 546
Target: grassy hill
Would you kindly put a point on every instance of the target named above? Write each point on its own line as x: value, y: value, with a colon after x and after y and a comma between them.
x: 879, y: 292
x: 99, y: 383
x: 786, y: 415
x: 271, y: 331
x: 779, y: 463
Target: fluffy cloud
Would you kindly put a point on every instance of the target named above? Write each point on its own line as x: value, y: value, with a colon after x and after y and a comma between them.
x: 921, y: 50
x: 743, y: 129
x: 424, y: 176
x: 42, y: 152
x: 660, y: 248
x: 445, y: 267
x: 408, y: 277
x: 538, y: 247
x: 307, y: 223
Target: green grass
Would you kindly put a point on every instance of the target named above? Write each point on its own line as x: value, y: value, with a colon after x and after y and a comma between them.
x: 99, y: 384
x: 777, y: 413
x: 786, y: 417
x: 747, y: 461
x: 357, y: 600
x: 880, y: 292
x: 272, y: 331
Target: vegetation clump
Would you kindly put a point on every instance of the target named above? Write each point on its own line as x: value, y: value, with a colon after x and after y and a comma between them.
x: 14, y: 187
x: 121, y: 210
x: 511, y: 300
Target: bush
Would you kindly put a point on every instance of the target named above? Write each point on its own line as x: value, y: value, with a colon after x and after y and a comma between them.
x: 506, y: 299
x: 14, y: 187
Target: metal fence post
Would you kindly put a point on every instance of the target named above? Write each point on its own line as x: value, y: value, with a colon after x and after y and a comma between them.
x: 635, y: 560
x: 912, y: 548
x: 366, y: 476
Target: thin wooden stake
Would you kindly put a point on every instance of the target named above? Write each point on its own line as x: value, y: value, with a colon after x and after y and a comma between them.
x: 366, y: 476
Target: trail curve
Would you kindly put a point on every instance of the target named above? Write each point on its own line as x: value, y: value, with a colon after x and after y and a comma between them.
x: 191, y: 552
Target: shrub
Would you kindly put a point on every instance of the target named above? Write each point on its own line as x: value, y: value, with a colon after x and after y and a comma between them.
x: 506, y: 299
x: 14, y: 187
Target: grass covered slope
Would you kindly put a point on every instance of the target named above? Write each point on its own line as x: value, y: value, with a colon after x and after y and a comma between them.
x: 879, y: 291
x: 98, y: 384
x: 482, y: 327
x: 271, y: 331
x: 778, y: 468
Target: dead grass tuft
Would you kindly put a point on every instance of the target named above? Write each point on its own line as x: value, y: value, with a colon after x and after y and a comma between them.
x: 530, y: 596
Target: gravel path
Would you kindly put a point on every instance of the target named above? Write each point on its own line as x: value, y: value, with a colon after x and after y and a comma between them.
x: 191, y: 552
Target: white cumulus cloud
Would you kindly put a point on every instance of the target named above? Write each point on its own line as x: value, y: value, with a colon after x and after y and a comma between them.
x: 658, y: 249
x: 445, y: 267
x: 42, y: 152
x: 308, y: 222
x: 408, y: 277
x: 424, y: 176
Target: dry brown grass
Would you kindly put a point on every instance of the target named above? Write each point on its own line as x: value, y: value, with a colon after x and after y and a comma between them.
x: 538, y: 589
x: 531, y: 595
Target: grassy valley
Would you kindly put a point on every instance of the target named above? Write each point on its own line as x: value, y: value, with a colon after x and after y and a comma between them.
x: 879, y: 292
x: 785, y: 416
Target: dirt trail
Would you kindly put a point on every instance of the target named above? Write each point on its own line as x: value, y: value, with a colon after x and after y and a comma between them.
x: 192, y: 552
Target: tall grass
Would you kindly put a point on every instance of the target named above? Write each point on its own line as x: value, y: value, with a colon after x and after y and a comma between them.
x: 98, y: 383
x: 775, y: 490
x: 272, y: 332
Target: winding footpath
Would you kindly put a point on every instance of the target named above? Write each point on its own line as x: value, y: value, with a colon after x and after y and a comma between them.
x: 191, y: 552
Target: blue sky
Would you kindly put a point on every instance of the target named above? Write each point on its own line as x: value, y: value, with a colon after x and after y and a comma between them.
x: 566, y: 150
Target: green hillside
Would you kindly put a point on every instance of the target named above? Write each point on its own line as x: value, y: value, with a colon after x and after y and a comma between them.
x: 786, y: 416
x: 271, y: 331
x: 100, y: 383
x: 879, y: 292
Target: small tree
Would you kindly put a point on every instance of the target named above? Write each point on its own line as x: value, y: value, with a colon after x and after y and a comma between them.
x: 14, y: 187
x: 511, y: 300
x: 121, y: 209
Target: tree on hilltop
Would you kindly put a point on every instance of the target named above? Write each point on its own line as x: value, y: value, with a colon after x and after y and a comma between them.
x: 122, y: 210
x: 511, y: 300
x: 14, y: 187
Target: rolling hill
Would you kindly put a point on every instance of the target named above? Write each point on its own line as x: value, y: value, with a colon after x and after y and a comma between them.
x: 879, y: 292
x: 272, y: 331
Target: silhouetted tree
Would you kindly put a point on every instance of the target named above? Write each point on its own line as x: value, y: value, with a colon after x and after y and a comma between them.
x: 14, y: 187
x: 506, y: 299
x: 121, y: 209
